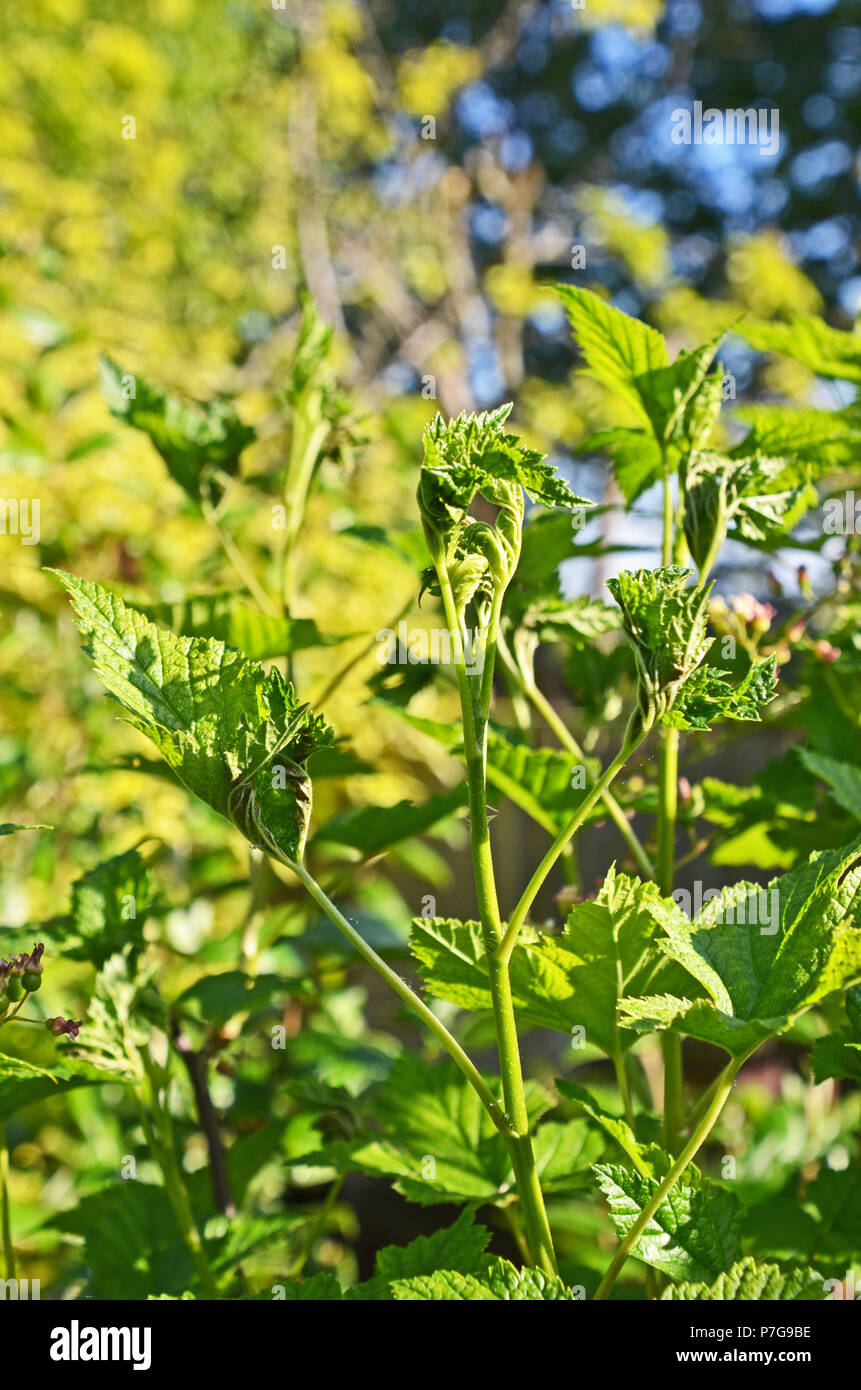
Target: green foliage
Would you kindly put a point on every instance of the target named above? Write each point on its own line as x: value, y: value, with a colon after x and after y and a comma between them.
x: 695, y: 1234
x: 227, y: 1051
x: 223, y: 724
x: 828, y: 351
x: 498, y: 1281
x: 761, y: 968
x: 229, y: 618
x: 676, y: 404
x: 757, y: 499
x: 649, y: 1160
x: 706, y: 696
x: 468, y: 456
x: 371, y: 830
x: 22, y: 1083
x: 199, y: 442
x: 575, y: 981
x: 666, y: 620
x: 844, y: 779
x: 752, y: 1282
x: 437, y: 1143
x: 109, y: 908
x: 619, y: 350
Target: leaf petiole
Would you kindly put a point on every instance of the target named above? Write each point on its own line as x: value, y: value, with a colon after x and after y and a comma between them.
x: 630, y: 744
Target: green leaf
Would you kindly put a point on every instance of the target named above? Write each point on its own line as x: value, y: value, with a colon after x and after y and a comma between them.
x: 318, y: 1288
x: 752, y: 1282
x: 683, y: 400
x: 235, y: 735
x: 810, y: 340
x: 817, y: 436
x: 459, y: 1247
x: 230, y: 1241
x: 617, y: 348
x: 438, y: 1144
x: 836, y: 1056
x: 473, y: 455
x: 120, y: 1015
x: 371, y: 830
x: 764, y: 956
x: 470, y: 453
x: 637, y: 458
x: 22, y: 1083
x: 844, y: 779
x: 561, y: 982
x: 200, y: 442
x: 821, y: 1226
x: 707, y: 696
x: 228, y: 618
x: 576, y: 622
x: 10, y: 827
x: 839, y: 1054
x: 498, y: 1281
x: 666, y: 621
x: 695, y: 1232
x: 538, y: 780
x: 109, y: 908
x: 216, y: 999
x: 649, y: 1160
x: 759, y: 498
x: 131, y: 1242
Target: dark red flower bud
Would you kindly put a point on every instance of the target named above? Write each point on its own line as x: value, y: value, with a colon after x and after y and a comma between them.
x: 63, y: 1026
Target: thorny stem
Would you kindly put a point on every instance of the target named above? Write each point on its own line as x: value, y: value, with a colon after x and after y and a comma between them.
x: 474, y: 717
x: 689, y: 1152
x: 630, y: 744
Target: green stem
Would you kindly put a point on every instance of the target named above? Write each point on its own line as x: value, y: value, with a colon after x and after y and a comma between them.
x: 474, y: 716
x: 401, y: 988
x: 239, y: 563
x: 343, y: 671
x: 160, y: 1140
x: 553, y: 721
x: 8, y: 1247
x: 622, y: 1080
x: 304, y: 453
x: 668, y: 796
x: 318, y: 1224
x: 694, y: 1144
x: 629, y: 745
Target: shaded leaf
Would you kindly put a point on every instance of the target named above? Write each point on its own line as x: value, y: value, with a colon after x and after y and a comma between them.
x: 22, y: 1083
x: 228, y: 618
x: 371, y: 830
x: 199, y: 441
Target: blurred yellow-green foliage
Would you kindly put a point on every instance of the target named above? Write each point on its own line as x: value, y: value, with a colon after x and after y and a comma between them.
x: 173, y: 175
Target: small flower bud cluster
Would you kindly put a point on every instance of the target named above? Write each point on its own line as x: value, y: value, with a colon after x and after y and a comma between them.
x: 20, y: 975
